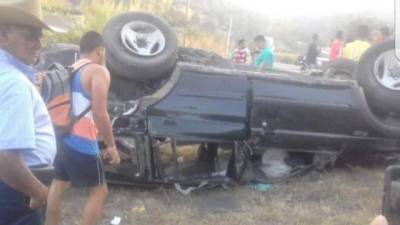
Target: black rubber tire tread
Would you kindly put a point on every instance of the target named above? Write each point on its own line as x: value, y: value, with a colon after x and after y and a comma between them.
x: 126, y: 89
x: 381, y: 99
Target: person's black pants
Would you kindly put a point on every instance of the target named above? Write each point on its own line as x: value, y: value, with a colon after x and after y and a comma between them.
x: 14, y: 208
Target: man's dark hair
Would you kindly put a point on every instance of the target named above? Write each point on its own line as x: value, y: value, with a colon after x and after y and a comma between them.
x: 315, y: 36
x: 385, y: 31
x: 241, y: 41
x: 363, y: 32
x: 339, y: 34
x: 90, y: 41
x: 259, y: 38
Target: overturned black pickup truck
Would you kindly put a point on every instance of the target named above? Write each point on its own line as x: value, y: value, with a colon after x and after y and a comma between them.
x: 186, y: 116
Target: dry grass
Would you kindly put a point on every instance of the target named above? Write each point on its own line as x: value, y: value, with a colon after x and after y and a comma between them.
x: 207, y: 41
x: 343, y: 196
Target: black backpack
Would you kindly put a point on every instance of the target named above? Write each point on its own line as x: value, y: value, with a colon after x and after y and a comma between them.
x: 57, y: 94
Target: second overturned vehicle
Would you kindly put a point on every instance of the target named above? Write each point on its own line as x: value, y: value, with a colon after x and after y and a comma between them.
x: 190, y: 117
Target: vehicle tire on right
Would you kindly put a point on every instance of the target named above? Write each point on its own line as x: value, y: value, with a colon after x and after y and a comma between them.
x: 379, y: 75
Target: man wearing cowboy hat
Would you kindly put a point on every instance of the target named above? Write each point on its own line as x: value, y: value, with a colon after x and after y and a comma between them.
x: 26, y: 134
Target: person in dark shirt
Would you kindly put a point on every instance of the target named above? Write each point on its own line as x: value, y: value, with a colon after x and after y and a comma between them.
x: 313, y: 51
x: 381, y: 35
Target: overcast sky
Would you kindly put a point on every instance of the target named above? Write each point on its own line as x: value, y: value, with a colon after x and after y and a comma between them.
x: 295, y: 8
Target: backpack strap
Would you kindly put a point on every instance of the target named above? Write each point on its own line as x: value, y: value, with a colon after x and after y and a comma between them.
x: 78, y: 65
x: 75, y: 119
x: 73, y: 69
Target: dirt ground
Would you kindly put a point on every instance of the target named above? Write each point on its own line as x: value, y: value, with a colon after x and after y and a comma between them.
x: 349, y: 194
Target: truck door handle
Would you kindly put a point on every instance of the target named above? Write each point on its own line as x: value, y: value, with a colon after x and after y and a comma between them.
x: 169, y: 122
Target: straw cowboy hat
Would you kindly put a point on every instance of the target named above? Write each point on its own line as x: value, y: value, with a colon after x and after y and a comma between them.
x: 28, y: 13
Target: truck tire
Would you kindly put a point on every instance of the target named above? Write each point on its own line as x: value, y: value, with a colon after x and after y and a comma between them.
x: 127, y: 89
x: 140, y: 46
x: 379, y: 75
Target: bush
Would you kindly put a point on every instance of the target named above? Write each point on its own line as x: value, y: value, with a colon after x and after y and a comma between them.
x: 94, y: 16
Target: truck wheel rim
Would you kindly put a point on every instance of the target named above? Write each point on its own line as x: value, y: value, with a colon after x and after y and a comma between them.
x: 387, y: 70
x: 142, y: 38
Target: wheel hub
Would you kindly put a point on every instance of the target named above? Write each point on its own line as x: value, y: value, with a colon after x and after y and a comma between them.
x: 387, y: 70
x: 142, y: 38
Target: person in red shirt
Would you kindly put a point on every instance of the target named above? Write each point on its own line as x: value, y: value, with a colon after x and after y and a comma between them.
x: 336, y: 47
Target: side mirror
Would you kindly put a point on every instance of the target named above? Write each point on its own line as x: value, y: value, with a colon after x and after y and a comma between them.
x: 391, y: 195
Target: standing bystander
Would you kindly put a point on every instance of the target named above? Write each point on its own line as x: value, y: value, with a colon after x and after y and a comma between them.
x: 27, y: 138
x: 265, y: 59
x: 241, y: 54
x: 313, y: 52
x: 336, y: 47
x: 78, y: 162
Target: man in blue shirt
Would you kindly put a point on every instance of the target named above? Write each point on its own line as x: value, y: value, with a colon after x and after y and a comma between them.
x: 266, y: 57
x: 26, y: 133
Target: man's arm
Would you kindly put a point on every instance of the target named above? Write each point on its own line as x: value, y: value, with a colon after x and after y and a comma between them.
x: 14, y: 173
x: 17, y: 134
x: 99, y: 85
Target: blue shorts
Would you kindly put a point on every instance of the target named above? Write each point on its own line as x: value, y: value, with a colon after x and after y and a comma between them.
x: 81, y: 170
x: 14, y: 208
